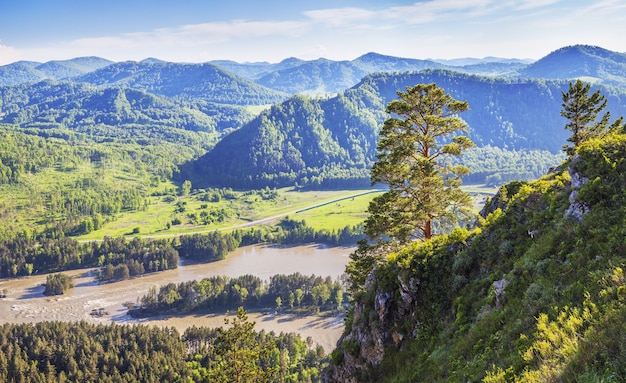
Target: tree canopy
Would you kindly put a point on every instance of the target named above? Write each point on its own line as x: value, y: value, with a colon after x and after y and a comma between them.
x: 582, y: 111
x: 424, y: 188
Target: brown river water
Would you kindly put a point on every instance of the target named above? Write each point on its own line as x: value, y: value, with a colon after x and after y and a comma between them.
x: 25, y: 302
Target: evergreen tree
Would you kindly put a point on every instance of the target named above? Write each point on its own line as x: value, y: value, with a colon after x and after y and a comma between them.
x: 424, y: 189
x: 582, y: 111
x: 240, y: 352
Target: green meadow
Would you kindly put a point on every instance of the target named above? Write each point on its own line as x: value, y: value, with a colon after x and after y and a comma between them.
x: 171, y: 216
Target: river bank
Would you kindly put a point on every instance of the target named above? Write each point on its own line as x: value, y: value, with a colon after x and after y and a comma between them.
x: 25, y: 302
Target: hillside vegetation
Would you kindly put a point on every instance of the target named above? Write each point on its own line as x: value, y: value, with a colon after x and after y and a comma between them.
x: 313, y: 142
x: 535, y: 294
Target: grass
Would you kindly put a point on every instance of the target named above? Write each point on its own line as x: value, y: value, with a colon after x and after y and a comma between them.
x: 339, y: 214
x: 247, y: 207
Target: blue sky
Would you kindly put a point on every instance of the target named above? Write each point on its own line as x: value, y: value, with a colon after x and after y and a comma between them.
x: 256, y: 30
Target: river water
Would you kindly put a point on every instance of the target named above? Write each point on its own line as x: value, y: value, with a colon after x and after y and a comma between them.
x: 25, y: 302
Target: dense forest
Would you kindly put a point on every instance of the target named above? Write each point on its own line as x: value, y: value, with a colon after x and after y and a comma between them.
x: 121, y: 258
x: 70, y: 352
x: 26, y: 256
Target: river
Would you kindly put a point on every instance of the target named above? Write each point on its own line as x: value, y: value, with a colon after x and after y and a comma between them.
x: 25, y: 302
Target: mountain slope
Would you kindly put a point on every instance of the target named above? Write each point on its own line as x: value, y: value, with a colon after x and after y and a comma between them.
x: 318, y: 77
x: 200, y: 81
x: 314, y: 77
x: 64, y: 69
x: 256, y: 70
x: 374, y: 62
x: 301, y: 140
x: 536, y: 294
x: 103, y: 113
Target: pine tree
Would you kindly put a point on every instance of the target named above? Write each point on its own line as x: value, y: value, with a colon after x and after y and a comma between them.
x: 424, y: 190
x: 582, y: 111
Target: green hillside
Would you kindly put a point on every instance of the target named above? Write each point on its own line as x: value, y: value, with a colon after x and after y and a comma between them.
x: 311, y: 142
x: 102, y: 113
x: 30, y: 72
x: 534, y: 294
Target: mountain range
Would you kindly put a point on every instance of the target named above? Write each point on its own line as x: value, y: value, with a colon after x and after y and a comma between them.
x: 312, y: 140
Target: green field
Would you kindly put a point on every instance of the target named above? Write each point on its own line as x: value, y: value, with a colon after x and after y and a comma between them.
x: 170, y: 215
x: 244, y: 209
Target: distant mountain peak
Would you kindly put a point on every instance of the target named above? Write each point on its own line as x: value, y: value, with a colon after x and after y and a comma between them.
x: 152, y: 60
x: 575, y: 61
x: 291, y: 60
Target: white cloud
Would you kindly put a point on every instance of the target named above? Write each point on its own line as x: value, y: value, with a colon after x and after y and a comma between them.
x: 417, y: 13
x: 198, y: 41
x: 532, y: 4
x: 198, y: 34
x: 422, y: 12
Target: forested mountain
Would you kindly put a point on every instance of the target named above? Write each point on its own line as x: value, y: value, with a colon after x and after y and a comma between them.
x: 313, y: 142
x: 322, y: 76
x: 468, y: 61
x: 588, y: 62
x: 28, y: 71
x: 318, y: 141
x: 101, y: 113
x: 507, y: 113
x: 225, y: 81
x: 256, y: 70
x: 315, y: 77
x: 374, y: 62
x: 189, y: 81
x: 309, y: 141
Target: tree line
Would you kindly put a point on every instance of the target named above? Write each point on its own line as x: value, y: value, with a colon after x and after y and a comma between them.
x: 289, y: 292
x: 119, y: 258
x: 24, y: 255
x: 79, y: 351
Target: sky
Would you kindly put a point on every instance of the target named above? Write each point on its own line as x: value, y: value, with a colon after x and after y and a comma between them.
x: 258, y: 30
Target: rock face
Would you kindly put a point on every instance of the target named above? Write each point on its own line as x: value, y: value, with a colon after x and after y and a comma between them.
x: 374, y: 330
x: 576, y: 209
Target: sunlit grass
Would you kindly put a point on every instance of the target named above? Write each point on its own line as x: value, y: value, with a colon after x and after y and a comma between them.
x: 337, y: 215
x: 156, y: 220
